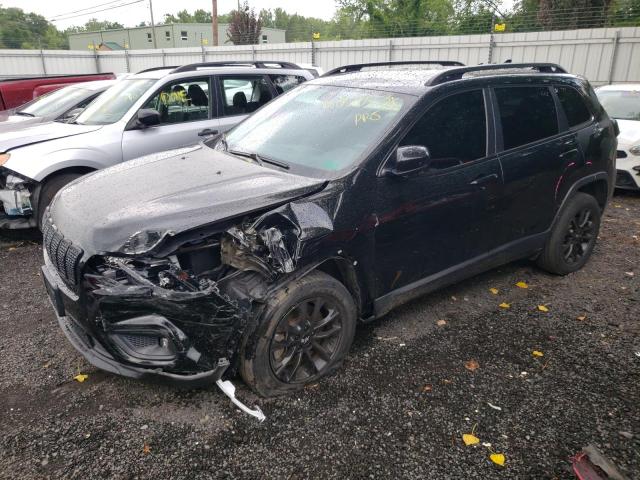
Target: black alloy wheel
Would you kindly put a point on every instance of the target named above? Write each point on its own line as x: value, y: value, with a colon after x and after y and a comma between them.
x: 306, y: 340
x: 580, y: 234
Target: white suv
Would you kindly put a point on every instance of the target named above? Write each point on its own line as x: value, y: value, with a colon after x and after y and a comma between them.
x: 154, y: 110
x: 622, y: 102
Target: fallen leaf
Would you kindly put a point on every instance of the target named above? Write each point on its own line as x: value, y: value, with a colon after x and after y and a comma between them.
x: 81, y: 377
x: 522, y: 285
x: 581, y: 318
x: 440, y: 323
x: 629, y: 274
x: 495, y: 291
x: 11, y: 249
x: 536, y: 353
x: 471, y: 365
x: 505, y: 305
x: 426, y: 389
x: 470, y: 439
x: 497, y: 458
x: 146, y: 449
x: 446, y: 381
x: 542, y: 308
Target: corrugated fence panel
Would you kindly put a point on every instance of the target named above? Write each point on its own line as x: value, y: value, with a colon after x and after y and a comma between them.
x: 600, y: 54
x: 112, y: 62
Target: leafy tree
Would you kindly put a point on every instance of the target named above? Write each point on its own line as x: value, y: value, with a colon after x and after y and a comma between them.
x: 245, y: 26
x: 183, y: 16
x: 94, y: 25
x: 28, y: 30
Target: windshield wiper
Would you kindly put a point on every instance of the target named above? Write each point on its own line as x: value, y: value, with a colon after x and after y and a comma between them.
x: 259, y: 159
x: 25, y: 114
x: 252, y: 156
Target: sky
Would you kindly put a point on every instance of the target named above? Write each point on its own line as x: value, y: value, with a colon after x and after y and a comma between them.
x: 131, y: 15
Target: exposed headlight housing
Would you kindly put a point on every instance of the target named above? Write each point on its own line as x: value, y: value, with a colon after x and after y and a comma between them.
x: 634, y: 150
x: 144, y: 241
x: 4, y: 158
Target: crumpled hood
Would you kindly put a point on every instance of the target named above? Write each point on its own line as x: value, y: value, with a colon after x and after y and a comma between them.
x: 170, y: 191
x: 42, y: 133
x: 629, y: 133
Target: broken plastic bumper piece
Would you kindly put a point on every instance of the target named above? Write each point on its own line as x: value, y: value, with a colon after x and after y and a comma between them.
x: 229, y: 390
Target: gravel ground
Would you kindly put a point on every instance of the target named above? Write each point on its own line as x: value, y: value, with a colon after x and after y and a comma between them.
x: 397, y: 409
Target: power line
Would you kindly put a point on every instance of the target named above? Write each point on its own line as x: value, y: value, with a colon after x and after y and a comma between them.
x: 97, y: 11
x: 84, y: 9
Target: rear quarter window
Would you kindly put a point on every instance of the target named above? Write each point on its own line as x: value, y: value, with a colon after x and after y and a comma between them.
x: 574, y: 106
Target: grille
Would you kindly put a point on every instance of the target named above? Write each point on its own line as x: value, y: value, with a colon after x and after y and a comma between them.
x: 141, y: 341
x: 624, y: 179
x: 63, y: 254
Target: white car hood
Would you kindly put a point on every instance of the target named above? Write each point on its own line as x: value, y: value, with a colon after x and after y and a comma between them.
x: 629, y: 133
x: 42, y: 133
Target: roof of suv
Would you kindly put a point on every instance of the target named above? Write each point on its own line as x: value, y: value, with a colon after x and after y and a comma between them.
x: 417, y: 81
x: 233, y: 67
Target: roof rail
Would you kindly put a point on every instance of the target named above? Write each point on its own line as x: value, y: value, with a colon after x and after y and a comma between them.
x: 356, y: 67
x: 153, y: 69
x: 457, y: 73
x: 236, y: 63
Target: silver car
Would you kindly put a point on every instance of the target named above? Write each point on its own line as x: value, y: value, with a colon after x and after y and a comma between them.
x: 154, y: 110
x: 60, y: 105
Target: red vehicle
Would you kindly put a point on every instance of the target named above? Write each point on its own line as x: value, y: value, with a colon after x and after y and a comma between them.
x: 15, y: 92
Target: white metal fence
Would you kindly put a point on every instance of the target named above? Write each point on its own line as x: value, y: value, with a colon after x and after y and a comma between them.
x: 603, y: 55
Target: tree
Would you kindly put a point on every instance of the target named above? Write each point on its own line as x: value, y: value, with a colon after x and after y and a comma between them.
x: 199, y: 16
x: 94, y: 25
x: 245, y: 26
x: 28, y: 30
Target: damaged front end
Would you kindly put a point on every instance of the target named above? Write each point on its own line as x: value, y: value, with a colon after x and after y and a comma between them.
x: 16, y: 200
x: 177, y: 305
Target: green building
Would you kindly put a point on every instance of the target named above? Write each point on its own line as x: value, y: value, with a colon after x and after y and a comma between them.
x: 167, y: 36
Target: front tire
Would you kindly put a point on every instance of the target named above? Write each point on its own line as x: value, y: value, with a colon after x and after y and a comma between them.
x: 304, y: 334
x: 573, y: 237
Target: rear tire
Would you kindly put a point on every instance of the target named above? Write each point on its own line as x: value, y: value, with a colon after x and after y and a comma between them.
x: 573, y: 237
x: 304, y: 334
x: 49, y: 190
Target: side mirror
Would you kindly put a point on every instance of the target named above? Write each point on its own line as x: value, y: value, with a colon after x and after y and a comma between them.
x: 148, y: 117
x: 410, y: 158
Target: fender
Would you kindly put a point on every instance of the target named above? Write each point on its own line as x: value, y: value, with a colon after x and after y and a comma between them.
x: 594, y: 177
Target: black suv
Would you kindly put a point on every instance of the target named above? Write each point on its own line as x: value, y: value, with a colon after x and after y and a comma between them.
x: 259, y: 251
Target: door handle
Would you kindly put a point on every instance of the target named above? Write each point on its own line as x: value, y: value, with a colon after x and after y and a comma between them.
x: 481, y: 181
x: 207, y: 131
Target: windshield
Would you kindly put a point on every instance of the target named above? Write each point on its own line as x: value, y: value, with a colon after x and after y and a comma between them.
x: 620, y: 104
x: 320, y: 128
x: 56, y: 102
x: 115, y: 102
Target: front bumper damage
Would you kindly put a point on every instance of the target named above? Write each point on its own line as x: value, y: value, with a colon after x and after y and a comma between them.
x: 16, y: 202
x: 179, y: 310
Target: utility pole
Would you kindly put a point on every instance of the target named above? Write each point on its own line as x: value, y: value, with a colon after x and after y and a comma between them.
x: 153, y: 25
x: 214, y: 22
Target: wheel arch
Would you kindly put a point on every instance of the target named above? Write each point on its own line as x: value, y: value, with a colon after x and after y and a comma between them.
x: 596, y: 185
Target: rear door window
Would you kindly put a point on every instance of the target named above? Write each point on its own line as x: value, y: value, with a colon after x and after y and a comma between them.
x: 182, y: 101
x: 527, y: 114
x: 243, y: 94
x: 284, y: 83
x: 454, y: 130
x: 574, y: 106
